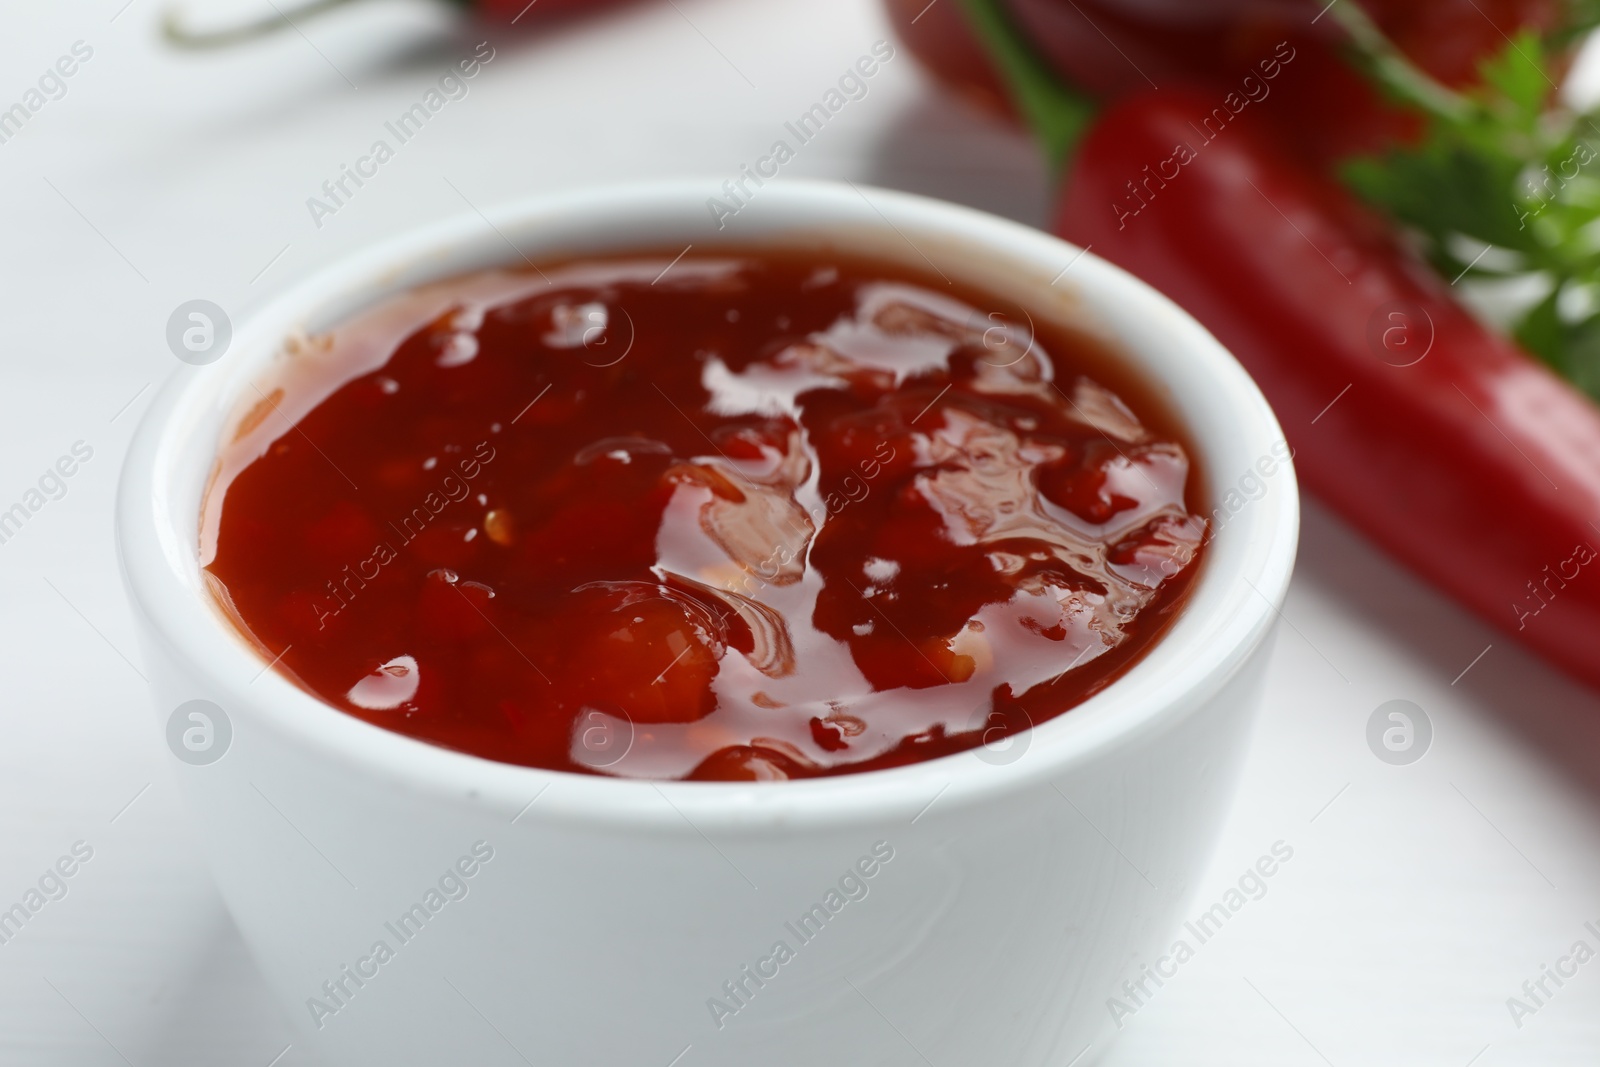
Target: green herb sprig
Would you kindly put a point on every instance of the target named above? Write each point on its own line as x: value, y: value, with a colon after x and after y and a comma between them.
x: 1502, y: 187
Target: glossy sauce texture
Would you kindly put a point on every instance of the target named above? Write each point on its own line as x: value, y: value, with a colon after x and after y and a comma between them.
x: 759, y: 516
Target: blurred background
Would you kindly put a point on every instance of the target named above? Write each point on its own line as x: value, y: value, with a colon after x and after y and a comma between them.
x: 1421, y: 896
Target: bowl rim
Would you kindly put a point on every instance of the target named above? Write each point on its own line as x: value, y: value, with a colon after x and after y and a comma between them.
x: 1229, y: 613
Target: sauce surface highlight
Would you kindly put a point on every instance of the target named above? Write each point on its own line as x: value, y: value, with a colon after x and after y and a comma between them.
x: 759, y: 515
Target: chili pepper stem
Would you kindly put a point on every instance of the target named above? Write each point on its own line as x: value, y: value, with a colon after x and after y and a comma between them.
x: 1056, y: 114
x: 181, y: 36
x: 1378, y: 57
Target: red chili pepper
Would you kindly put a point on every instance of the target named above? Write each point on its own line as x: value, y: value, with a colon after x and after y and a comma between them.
x: 939, y: 36
x: 1444, y: 443
x: 1440, y: 30
x: 1450, y: 38
x: 521, y: 11
x: 1326, y: 109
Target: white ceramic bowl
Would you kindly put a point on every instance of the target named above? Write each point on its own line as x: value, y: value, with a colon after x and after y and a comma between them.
x: 613, y: 916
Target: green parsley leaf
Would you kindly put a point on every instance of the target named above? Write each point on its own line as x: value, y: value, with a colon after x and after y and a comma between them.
x: 1501, y: 187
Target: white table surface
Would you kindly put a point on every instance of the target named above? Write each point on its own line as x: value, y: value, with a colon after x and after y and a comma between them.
x: 1418, y: 900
